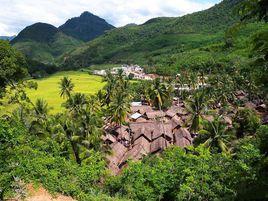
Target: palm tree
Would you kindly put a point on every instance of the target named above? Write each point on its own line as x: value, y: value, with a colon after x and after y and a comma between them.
x: 76, y: 103
x: 160, y: 93
x: 196, y: 106
x: 66, y: 87
x: 41, y: 107
x: 214, y: 135
x: 119, y: 108
x: 39, y: 118
x: 109, y: 87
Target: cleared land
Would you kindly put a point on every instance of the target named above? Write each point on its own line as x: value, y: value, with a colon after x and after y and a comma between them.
x: 48, y: 88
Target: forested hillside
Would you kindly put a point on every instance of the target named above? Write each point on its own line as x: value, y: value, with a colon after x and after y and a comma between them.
x: 149, y: 42
x: 86, y: 27
x: 47, y: 44
x: 44, y: 43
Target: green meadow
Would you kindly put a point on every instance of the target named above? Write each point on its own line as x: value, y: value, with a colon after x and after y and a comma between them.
x: 48, y: 88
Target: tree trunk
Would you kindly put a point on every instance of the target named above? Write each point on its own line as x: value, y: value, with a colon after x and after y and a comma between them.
x: 76, y: 153
x: 2, y: 195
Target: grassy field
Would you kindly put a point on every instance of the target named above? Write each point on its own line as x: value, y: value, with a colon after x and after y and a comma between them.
x: 48, y: 88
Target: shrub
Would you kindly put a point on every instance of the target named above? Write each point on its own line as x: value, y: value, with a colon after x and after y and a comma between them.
x: 246, y: 122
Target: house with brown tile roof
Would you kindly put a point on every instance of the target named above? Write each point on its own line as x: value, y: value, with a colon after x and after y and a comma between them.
x: 159, y: 144
x: 155, y: 114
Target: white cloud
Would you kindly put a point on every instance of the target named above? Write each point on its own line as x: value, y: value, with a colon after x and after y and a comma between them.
x: 16, y: 14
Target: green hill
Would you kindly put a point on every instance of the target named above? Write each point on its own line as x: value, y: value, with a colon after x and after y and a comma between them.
x: 85, y: 27
x: 48, y: 44
x: 44, y: 43
x: 159, y: 39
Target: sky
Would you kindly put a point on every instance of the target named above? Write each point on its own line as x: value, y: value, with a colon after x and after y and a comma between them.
x: 15, y: 15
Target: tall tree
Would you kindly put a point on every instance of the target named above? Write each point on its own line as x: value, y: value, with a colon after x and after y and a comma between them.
x: 66, y: 87
x: 214, y: 135
x: 13, y: 66
x: 196, y: 105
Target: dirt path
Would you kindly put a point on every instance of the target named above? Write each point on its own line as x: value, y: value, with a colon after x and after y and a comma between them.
x: 41, y: 194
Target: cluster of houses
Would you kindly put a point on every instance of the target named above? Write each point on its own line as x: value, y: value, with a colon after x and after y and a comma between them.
x: 133, y: 71
x: 150, y: 131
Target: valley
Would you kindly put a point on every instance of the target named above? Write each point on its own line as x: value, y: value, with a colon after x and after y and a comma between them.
x: 49, y: 90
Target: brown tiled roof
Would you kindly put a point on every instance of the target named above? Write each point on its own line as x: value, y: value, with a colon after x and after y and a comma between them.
x: 176, y: 121
x: 183, y: 142
x: 180, y: 110
x: 161, y: 129
x: 155, y: 114
x: 108, y: 138
x: 118, y: 152
x: 140, y: 149
x: 250, y: 105
x: 141, y: 109
x: 144, y: 143
x: 141, y: 119
x: 142, y: 129
x: 114, y: 168
x: 123, y: 133
x: 182, y: 133
x: 171, y: 113
x: 159, y: 145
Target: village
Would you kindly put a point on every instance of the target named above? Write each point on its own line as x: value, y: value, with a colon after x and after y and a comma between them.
x: 131, y: 71
x: 150, y: 131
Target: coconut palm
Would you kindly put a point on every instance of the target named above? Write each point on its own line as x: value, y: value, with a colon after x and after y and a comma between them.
x: 196, y: 105
x: 38, y: 124
x: 66, y: 87
x: 119, y: 108
x: 160, y: 94
x: 76, y: 103
x: 109, y: 87
x: 214, y: 135
x: 41, y: 107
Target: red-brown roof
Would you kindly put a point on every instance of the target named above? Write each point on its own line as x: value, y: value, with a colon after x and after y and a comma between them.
x: 176, y: 121
x: 155, y: 114
x: 108, y: 138
x: 182, y: 134
x: 159, y: 145
x: 141, y: 109
x: 162, y: 129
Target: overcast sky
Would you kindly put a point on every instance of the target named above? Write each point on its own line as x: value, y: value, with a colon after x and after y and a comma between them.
x: 17, y: 14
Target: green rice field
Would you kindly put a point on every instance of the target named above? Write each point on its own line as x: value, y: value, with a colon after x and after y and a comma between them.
x: 48, y: 88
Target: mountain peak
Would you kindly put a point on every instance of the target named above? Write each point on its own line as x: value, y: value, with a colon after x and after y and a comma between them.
x: 85, y: 27
x: 39, y: 32
x: 86, y: 14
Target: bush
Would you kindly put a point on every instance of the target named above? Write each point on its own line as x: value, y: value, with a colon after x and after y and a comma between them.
x: 176, y: 175
x: 246, y: 122
x: 37, y: 160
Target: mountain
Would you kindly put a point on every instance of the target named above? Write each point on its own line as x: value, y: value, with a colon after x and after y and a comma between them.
x: 7, y: 37
x: 39, y: 32
x: 157, y: 38
x: 86, y: 27
x: 44, y: 43
x: 48, y: 44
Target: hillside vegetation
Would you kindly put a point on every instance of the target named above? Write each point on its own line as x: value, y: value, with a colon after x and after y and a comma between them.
x: 44, y: 43
x: 147, y: 43
x: 48, y: 44
x: 86, y: 27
